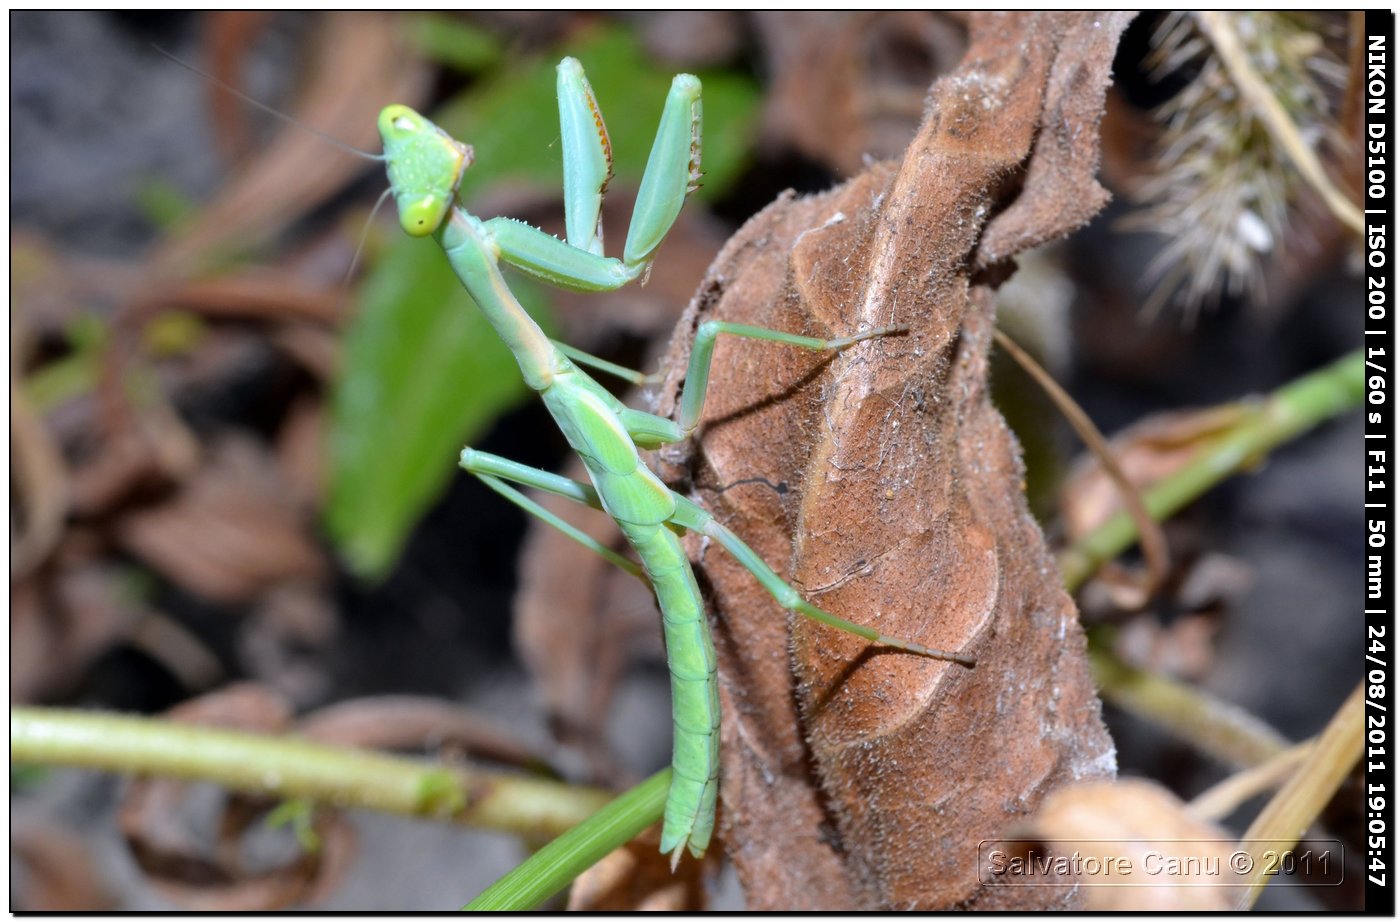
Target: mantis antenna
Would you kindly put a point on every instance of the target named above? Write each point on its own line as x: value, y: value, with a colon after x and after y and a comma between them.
x: 334, y: 141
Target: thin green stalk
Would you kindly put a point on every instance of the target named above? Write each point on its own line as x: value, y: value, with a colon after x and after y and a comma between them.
x: 1289, y: 412
x: 291, y: 768
x: 1217, y: 728
x: 1214, y: 726
x: 554, y: 867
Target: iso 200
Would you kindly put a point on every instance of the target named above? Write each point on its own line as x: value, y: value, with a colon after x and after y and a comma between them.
x: 1290, y: 863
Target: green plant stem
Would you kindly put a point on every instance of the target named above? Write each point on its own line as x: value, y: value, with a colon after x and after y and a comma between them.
x: 1214, y: 726
x: 1217, y: 728
x: 553, y: 867
x: 288, y: 767
x: 1290, y: 411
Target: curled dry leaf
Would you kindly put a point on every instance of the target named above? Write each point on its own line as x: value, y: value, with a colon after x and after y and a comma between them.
x: 1207, y: 588
x: 409, y: 722
x: 229, y: 37
x: 1183, y: 649
x: 886, y: 486
x: 692, y: 39
x: 41, y: 482
x: 638, y: 877
x: 1147, y: 451
x: 284, y: 640
x: 65, y: 617
x: 141, y: 451
x: 56, y: 869
x: 229, y: 532
x: 1132, y: 819
x: 301, y: 451
x: 357, y: 60
x: 252, y: 294
x: 208, y: 869
x: 847, y: 86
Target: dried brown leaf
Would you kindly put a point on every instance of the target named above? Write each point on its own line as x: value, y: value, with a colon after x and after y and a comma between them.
x: 1184, y: 649
x: 849, y: 85
x: 301, y: 450
x: 638, y: 877
x: 178, y: 649
x: 357, y: 61
x: 229, y: 533
x: 692, y: 39
x: 408, y: 722
x: 1129, y: 819
x: 284, y: 640
x: 253, y: 294
x: 211, y: 869
x: 229, y: 37
x: 56, y: 870
x: 64, y: 618
x: 141, y: 450
x: 886, y: 485
x: 1147, y: 451
x: 41, y: 479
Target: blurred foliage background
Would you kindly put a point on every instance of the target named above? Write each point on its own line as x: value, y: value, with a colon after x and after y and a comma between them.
x: 233, y: 455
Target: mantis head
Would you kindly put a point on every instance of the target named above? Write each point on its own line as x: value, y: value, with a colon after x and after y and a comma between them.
x: 425, y: 166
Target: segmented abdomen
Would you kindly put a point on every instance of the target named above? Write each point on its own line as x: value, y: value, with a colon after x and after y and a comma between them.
x: 690, y: 655
x: 641, y: 504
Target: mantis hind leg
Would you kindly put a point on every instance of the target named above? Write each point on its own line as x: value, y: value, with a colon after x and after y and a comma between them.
x: 689, y: 515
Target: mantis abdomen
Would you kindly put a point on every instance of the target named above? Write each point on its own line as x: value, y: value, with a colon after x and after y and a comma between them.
x: 642, y: 505
x: 690, y: 656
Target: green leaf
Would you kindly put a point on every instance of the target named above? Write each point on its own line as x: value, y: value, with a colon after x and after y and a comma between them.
x: 454, y: 42
x: 423, y: 375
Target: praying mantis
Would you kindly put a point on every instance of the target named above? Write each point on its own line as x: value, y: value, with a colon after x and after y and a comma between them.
x: 425, y: 166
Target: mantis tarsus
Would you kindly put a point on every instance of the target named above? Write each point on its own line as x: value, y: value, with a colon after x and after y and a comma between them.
x: 425, y: 166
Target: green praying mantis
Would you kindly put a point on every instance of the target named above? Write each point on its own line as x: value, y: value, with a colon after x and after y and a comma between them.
x: 425, y: 166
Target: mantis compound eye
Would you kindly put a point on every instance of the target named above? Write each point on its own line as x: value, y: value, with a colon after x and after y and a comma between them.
x: 397, y: 122
x: 422, y: 216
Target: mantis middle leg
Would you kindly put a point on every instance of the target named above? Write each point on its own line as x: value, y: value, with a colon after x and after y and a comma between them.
x: 493, y: 469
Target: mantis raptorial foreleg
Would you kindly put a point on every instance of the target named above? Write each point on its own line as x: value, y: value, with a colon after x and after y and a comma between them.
x: 425, y: 167
x: 673, y: 172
